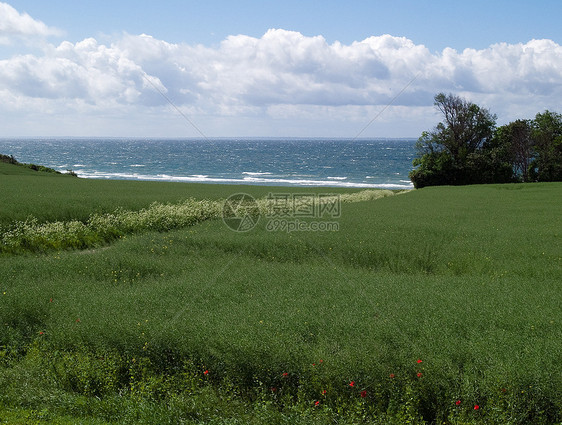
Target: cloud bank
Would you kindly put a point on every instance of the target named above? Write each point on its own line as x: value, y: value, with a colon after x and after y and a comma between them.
x: 280, y: 81
x: 15, y: 25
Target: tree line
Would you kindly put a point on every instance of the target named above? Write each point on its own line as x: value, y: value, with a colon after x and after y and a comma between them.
x: 468, y: 148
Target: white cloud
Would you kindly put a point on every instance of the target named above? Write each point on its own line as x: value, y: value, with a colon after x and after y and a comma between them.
x: 283, y: 76
x: 20, y: 25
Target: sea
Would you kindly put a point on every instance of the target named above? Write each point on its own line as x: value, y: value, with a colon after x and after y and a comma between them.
x: 367, y: 163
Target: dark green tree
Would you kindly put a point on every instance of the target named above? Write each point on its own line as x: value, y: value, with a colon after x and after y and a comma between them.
x: 492, y: 163
x: 547, y: 139
x: 452, y: 153
x: 515, y: 143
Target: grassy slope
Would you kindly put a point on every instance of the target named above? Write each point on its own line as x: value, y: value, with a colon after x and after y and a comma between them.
x: 467, y: 279
x: 18, y: 170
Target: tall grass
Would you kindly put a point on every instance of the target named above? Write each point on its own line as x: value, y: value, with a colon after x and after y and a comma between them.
x: 31, y: 235
x: 465, y: 279
x: 51, y: 197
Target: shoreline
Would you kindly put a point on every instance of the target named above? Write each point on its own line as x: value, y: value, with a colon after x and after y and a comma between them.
x: 246, y: 181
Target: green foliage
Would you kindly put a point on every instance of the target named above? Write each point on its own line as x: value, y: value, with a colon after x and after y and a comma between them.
x: 455, y: 151
x: 517, y: 146
x: 467, y: 148
x: 9, y: 159
x: 466, y: 128
x: 433, y: 168
x: 547, y: 137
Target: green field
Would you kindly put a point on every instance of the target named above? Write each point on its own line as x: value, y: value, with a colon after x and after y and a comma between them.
x: 201, y: 324
x: 60, y: 197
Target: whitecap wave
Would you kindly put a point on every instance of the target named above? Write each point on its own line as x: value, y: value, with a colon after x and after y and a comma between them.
x: 250, y: 173
x: 244, y: 180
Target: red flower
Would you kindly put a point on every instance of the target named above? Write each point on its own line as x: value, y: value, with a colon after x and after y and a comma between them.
x: 419, y: 360
x: 419, y: 374
x: 324, y: 392
x: 352, y: 384
x: 285, y: 374
x: 78, y: 320
x: 363, y: 394
x: 50, y: 300
x: 41, y: 332
x: 206, y: 372
x: 392, y: 375
x: 457, y: 402
x: 476, y: 407
x: 313, y: 364
x: 317, y: 402
x: 321, y: 361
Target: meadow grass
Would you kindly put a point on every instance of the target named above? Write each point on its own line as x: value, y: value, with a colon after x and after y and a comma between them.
x: 54, y: 197
x: 206, y: 325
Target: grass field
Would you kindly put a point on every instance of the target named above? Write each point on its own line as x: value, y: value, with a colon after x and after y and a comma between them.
x: 50, y: 197
x: 440, y: 305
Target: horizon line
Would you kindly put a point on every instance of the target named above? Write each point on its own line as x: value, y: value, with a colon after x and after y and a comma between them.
x: 209, y: 138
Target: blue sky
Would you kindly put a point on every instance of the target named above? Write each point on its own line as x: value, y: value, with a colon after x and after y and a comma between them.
x: 436, y: 24
x: 270, y: 68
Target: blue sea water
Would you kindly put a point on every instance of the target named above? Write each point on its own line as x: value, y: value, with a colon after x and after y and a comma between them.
x: 382, y: 163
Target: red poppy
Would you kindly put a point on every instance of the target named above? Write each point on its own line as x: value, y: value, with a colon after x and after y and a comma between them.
x: 321, y: 361
x: 313, y: 364
x: 419, y: 360
x: 206, y: 372
x: 392, y: 375
x: 457, y: 402
x: 317, y: 402
x: 78, y: 320
x: 420, y: 374
x: 352, y: 384
x: 324, y: 392
x: 476, y: 407
x: 363, y: 394
x: 285, y: 374
x: 41, y: 333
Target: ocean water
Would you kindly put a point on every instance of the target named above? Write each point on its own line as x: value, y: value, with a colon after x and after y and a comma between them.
x: 377, y: 163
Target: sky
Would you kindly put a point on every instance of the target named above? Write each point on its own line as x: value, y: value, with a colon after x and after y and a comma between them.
x: 268, y: 68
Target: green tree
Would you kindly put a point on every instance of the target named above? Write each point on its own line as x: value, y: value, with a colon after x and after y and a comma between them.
x: 547, y: 138
x: 452, y: 153
x: 492, y: 163
x: 515, y: 142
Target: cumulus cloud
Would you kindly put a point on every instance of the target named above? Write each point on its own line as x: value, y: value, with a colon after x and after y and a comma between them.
x: 282, y: 74
x: 15, y: 25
